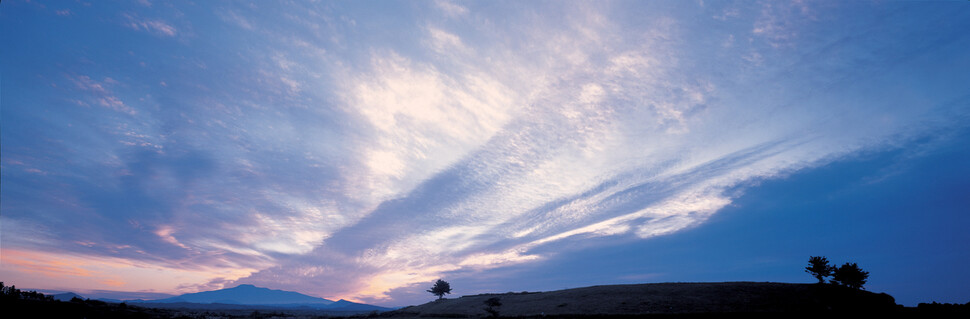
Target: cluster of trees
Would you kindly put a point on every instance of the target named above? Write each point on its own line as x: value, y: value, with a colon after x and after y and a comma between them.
x: 849, y: 274
x: 32, y: 304
x: 11, y: 292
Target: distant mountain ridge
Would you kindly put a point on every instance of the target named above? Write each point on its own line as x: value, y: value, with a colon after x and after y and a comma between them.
x: 340, y: 307
x: 109, y: 295
x: 241, y: 297
x: 246, y: 295
x: 252, y: 297
x: 67, y: 296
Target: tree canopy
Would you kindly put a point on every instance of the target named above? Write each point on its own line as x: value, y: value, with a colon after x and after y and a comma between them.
x: 819, y: 267
x: 850, y: 275
x: 440, y: 288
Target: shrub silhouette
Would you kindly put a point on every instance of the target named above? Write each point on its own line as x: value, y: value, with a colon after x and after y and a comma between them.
x: 440, y: 288
x: 491, y: 304
x: 819, y: 267
x: 850, y: 275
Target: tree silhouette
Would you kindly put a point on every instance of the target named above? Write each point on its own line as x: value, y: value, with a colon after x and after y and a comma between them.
x: 440, y: 288
x: 819, y: 267
x: 850, y: 275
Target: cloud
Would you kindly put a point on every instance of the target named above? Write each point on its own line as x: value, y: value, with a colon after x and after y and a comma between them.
x: 154, y: 26
x: 614, y: 136
x: 32, y: 263
x: 728, y: 13
x: 444, y: 42
x: 422, y: 121
x: 501, y: 164
x: 237, y: 19
x: 780, y: 23
x: 165, y: 233
x: 451, y: 8
x: 101, y: 95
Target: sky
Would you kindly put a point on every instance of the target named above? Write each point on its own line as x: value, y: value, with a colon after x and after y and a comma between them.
x: 363, y: 149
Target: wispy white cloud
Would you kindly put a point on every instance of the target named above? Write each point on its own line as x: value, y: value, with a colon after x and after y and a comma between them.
x: 155, y: 26
x: 451, y: 8
x: 727, y: 13
x: 610, y: 138
x: 422, y: 120
x: 510, y: 160
x: 780, y: 23
x: 101, y: 95
x: 237, y: 19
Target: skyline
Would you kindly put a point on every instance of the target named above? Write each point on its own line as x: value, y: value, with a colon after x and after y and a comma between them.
x: 361, y: 151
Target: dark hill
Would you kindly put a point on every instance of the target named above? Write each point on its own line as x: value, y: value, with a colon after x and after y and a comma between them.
x: 67, y: 296
x: 350, y: 306
x: 664, y: 299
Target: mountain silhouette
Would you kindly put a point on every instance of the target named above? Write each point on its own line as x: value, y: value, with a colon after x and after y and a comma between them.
x: 67, y: 296
x: 247, y: 295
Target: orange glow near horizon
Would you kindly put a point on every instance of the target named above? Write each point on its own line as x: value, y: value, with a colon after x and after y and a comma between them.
x: 81, y: 273
x: 44, y: 270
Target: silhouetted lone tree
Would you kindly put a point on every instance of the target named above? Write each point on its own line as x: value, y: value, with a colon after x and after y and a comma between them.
x: 440, y: 288
x: 491, y: 304
x: 850, y: 275
x: 819, y: 267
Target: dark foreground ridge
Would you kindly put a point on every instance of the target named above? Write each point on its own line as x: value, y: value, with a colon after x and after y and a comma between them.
x: 664, y: 300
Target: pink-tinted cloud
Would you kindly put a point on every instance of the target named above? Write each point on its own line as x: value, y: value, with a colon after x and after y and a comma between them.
x: 54, y: 266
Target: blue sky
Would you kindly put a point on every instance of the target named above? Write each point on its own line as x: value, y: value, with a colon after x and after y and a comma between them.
x: 361, y: 150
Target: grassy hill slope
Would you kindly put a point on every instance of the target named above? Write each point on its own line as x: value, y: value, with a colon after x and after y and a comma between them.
x: 663, y: 298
